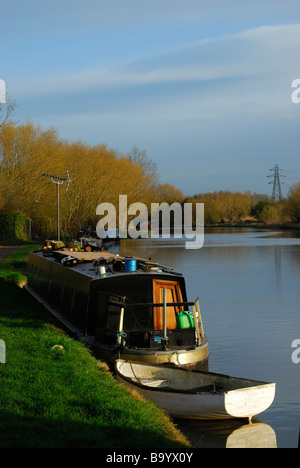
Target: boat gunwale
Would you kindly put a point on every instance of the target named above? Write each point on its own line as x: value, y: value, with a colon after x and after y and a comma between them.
x: 193, y: 371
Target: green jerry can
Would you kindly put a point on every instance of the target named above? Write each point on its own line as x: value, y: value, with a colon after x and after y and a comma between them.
x: 184, y: 320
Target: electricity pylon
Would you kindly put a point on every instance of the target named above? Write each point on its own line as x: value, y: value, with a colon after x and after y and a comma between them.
x: 59, y: 180
x: 277, y: 192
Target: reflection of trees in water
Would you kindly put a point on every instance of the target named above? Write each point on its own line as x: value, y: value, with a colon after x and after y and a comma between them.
x: 294, y: 255
x: 287, y: 256
x: 278, y: 264
x: 241, y: 262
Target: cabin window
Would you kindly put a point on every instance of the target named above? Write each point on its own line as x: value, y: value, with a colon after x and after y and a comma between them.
x: 173, y: 294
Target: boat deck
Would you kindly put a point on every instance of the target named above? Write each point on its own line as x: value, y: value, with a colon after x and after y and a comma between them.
x: 88, y: 256
x: 88, y: 263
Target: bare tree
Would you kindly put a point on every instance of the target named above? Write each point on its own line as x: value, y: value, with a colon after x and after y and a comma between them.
x: 7, y: 105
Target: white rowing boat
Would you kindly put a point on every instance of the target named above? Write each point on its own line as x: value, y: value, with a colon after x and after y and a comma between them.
x: 194, y: 394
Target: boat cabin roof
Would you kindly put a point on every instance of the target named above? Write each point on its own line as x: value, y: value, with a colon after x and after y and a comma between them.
x: 88, y: 263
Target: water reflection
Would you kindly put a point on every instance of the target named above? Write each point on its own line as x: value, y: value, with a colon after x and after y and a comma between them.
x: 228, y: 434
x: 248, y: 284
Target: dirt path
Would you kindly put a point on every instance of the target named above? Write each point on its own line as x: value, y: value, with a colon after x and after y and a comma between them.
x: 5, y: 250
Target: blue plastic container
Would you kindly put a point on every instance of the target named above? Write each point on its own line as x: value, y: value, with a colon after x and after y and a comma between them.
x: 130, y: 264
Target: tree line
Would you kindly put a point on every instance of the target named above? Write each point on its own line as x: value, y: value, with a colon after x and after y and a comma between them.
x: 245, y: 208
x: 100, y: 175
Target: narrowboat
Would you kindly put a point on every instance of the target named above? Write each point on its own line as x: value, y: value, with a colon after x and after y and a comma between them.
x: 120, y: 307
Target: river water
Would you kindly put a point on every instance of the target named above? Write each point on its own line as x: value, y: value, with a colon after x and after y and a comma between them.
x: 248, y: 282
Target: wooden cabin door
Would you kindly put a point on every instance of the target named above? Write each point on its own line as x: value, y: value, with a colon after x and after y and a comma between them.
x: 173, y: 294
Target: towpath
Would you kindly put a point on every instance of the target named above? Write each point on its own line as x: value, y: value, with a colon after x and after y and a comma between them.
x: 5, y: 250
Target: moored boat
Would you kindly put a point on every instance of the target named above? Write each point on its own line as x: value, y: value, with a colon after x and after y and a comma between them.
x: 120, y: 307
x: 196, y: 394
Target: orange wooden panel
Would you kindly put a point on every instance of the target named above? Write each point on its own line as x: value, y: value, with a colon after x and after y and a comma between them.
x: 173, y: 294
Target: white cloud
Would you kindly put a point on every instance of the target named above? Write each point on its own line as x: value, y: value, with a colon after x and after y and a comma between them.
x: 266, y: 53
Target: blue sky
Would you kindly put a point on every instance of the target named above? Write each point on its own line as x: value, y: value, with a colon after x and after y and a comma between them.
x: 203, y: 86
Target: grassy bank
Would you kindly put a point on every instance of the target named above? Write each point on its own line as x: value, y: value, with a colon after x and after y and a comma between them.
x: 54, y: 393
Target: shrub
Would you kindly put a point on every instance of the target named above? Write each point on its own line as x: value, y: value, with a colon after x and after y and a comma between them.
x: 293, y: 203
x: 13, y: 226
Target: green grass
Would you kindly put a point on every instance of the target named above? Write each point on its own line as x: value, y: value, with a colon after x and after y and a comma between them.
x: 61, y: 396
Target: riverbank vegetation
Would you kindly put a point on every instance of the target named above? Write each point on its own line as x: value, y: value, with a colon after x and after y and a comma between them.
x: 100, y: 174
x: 54, y: 393
x: 244, y: 208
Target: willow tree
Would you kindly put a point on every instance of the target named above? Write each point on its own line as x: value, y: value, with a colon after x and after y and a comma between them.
x: 99, y: 175
x: 293, y: 203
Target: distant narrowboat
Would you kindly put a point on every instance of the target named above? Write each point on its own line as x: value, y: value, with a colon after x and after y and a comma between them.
x: 126, y: 308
